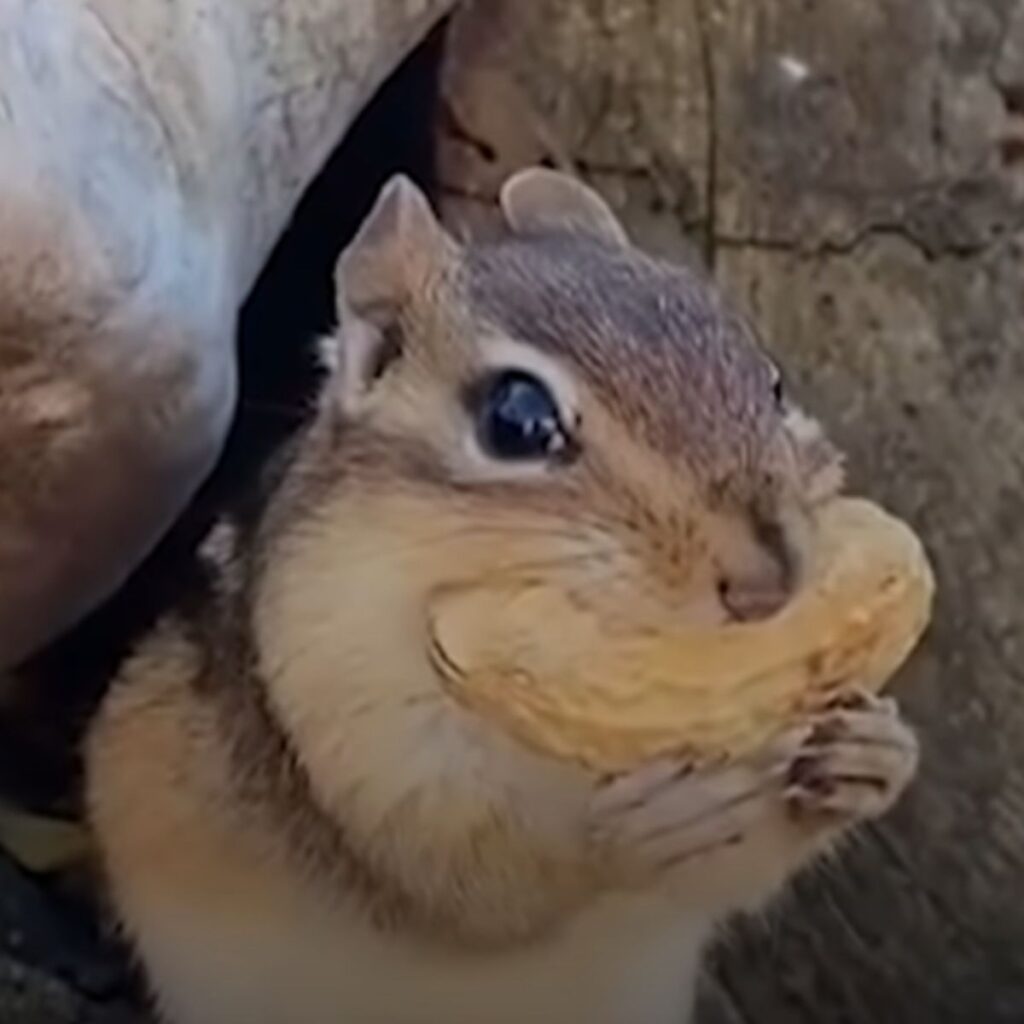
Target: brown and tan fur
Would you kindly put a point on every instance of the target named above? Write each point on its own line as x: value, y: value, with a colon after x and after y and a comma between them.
x: 297, y: 824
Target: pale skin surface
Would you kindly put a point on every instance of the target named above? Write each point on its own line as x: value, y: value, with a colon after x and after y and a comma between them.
x: 408, y: 863
x: 153, y: 152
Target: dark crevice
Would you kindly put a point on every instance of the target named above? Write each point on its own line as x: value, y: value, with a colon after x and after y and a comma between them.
x: 847, y: 246
x: 711, y: 102
x: 1013, y: 97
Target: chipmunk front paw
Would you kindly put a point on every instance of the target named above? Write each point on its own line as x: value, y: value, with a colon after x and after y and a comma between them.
x: 849, y: 764
x: 666, y: 814
x: 857, y: 760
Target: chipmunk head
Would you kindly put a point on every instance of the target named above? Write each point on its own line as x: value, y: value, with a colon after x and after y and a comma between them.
x: 552, y: 406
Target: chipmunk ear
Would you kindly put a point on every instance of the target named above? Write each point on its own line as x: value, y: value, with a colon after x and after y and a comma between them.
x: 400, y: 246
x: 541, y: 201
x: 398, y: 251
x: 356, y: 357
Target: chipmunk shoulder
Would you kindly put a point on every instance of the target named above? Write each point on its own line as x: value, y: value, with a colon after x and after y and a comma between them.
x: 296, y: 822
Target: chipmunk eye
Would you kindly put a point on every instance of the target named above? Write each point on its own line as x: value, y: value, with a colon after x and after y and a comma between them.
x: 518, y: 418
x: 778, y: 388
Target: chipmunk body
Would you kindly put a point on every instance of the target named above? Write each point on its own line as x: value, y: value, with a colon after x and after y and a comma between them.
x: 300, y: 826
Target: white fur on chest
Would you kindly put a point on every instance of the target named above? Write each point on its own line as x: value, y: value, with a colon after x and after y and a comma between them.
x: 625, y: 961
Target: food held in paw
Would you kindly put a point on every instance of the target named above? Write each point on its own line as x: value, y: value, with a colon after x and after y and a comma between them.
x: 551, y: 673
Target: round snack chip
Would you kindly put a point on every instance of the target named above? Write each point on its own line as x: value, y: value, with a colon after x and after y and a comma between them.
x: 554, y: 676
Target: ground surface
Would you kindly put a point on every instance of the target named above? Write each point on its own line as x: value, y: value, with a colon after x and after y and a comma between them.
x: 854, y: 175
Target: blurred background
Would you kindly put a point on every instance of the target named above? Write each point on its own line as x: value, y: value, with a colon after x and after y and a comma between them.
x: 853, y: 175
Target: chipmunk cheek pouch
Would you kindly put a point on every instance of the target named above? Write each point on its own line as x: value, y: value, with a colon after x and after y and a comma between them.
x: 607, y: 696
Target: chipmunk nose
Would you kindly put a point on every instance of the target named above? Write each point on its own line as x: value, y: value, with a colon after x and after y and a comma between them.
x: 750, y: 599
x: 760, y: 582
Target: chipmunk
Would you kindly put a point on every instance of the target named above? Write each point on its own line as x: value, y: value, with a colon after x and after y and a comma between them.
x: 299, y: 826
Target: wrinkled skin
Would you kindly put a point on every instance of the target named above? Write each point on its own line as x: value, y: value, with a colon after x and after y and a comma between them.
x: 151, y: 154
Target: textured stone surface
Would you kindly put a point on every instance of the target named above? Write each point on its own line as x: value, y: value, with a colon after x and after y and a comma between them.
x: 54, y: 968
x: 853, y: 174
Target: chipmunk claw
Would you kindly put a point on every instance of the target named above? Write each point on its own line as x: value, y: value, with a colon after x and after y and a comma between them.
x: 849, y: 764
x: 856, y: 762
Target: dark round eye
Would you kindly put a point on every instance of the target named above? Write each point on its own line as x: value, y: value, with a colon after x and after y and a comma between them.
x: 778, y: 388
x: 517, y: 418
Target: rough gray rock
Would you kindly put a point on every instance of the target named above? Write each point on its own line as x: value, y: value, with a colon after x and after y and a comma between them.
x: 152, y: 152
x: 54, y: 967
x: 854, y: 176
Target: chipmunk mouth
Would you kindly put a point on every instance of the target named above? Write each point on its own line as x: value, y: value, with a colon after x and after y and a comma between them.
x: 561, y: 680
